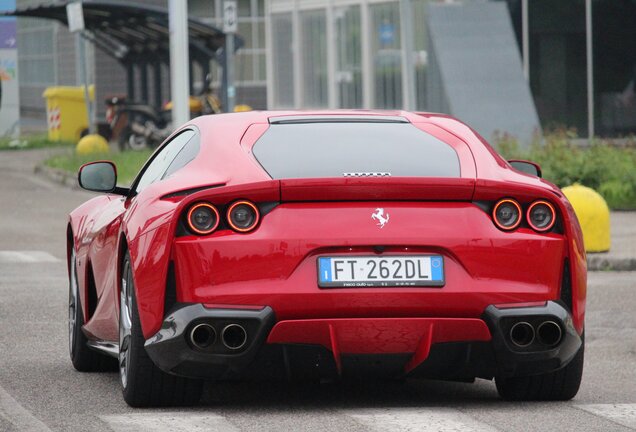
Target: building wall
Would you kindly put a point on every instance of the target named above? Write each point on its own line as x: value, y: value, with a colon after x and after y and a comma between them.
x: 37, y: 49
x: 110, y: 77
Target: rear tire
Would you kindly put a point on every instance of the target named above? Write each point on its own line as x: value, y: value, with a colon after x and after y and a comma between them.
x: 143, y: 383
x: 83, y: 358
x: 559, y: 385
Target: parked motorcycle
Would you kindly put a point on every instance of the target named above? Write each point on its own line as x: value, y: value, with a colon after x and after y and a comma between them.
x: 137, y: 126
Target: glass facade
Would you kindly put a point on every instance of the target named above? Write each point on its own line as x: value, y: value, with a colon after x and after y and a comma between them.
x: 282, y: 92
x: 420, y: 54
x: 558, y: 63
x: 344, y: 54
x: 349, y: 56
x: 387, y: 55
x: 250, y: 59
x: 313, y: 49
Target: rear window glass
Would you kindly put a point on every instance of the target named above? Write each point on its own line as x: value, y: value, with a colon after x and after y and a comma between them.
x: 311, y: 150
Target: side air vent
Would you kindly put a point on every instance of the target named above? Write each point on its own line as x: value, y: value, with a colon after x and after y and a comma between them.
x: 566, y: 285
x: 170, y: 297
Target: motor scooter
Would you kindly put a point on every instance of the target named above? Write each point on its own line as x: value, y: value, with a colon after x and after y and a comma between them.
x: 137, y: 126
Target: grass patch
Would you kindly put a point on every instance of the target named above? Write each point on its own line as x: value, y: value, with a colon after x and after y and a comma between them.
x: 31, y: 142
x: 608, y: 169
x: 128, y: 163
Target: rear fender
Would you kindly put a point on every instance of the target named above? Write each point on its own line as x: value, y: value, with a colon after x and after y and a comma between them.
x: 493, y: 190
x: 151, y: 251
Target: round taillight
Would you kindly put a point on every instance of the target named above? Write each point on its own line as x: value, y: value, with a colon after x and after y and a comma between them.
x: 507, y: 214
x: 203, y: 218
x: 541, y: 216
x: 243, y: 216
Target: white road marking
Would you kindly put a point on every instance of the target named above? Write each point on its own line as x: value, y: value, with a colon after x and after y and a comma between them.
x: 20, y: 418
x: 168, y: 421
x: 26, y: 257
x: 623, y: 414
x: 419, y: 420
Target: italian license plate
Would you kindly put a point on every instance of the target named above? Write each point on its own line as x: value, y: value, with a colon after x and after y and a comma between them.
x: 386, y: 271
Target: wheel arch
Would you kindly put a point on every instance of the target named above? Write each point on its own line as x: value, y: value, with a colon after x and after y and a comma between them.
x: 70, y: 244
x: 122, y: 248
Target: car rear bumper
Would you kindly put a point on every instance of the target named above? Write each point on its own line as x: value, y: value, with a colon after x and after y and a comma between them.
x: 436, y: 347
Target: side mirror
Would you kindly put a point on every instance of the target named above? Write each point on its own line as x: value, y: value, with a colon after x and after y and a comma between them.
x: 98, y: 176
x: 526, y: 167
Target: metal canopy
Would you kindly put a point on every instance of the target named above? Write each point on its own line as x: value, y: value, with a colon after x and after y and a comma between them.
x: 136, y: 35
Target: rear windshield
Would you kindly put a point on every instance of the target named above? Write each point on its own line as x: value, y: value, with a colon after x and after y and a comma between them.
x: 328, y: 149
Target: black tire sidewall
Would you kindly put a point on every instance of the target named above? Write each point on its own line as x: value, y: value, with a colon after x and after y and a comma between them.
x: 79, y: 339
x: 135, y: 333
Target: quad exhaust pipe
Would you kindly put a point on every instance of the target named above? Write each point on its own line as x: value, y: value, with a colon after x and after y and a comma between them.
x: 234, y: 336
x: 202, y: 335
x: 522, y: 334
x: 548, y: 333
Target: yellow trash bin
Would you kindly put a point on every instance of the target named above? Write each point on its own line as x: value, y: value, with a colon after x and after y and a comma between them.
x: 66, y: 112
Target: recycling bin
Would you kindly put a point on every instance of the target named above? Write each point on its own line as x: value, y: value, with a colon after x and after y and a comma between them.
x: 66, y: 113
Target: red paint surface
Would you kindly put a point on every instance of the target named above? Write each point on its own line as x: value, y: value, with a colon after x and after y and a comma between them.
x: 379, y: 335
x: 275, y: 265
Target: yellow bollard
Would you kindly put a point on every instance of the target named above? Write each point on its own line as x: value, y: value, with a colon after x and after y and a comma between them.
x: 92, y: 144
x: 593, y: 214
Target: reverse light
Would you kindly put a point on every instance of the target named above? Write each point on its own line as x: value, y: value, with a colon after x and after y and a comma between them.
x: 541, y: 216
x: 243, y: 216
x: 507, y: 214
x: 203, y: 218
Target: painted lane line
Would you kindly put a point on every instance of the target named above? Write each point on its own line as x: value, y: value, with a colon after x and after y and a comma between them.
x: 168, y: 421
x: 18, y: 416
x: 26, y: 257
x: 623, y: 414
x: 419, y: 420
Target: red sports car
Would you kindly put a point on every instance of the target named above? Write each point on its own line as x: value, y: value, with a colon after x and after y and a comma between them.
x: 324, y: 244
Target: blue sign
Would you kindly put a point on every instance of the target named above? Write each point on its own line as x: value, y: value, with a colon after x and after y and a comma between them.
x: 386, y: 33
x: 7, y: 26
x: 8, y: 35
x: 9, y: 89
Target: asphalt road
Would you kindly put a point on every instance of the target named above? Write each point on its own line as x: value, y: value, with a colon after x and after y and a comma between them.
x: 40, y: 390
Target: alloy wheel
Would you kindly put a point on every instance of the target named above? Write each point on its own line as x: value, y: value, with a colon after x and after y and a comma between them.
x: 125, y: 323
x: 72, y: 304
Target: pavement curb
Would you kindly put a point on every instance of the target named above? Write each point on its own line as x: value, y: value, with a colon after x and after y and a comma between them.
x: 57, y: 176
x: 603, y: 262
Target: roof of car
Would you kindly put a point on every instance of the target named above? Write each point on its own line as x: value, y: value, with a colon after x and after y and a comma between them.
x: 227, y: 139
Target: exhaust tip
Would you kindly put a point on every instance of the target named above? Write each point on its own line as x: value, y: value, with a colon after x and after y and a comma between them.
x: 234, y: 336
x: 522, y: 334
x: 202, y: 335
x: 549, y: 333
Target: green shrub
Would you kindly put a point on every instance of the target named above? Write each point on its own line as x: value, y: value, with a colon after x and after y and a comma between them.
x: 602, y: 166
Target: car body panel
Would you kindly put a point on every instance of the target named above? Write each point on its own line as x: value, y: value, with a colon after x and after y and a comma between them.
x: 275, y: 265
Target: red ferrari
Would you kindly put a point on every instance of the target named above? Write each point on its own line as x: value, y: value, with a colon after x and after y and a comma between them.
x: 311, y: 245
